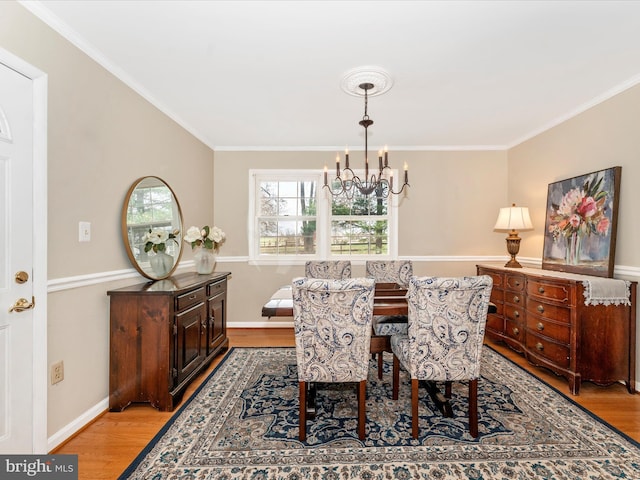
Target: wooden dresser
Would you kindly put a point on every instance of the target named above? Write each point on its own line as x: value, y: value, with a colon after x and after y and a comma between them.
x: 163, y: 334
x: 543, y: 315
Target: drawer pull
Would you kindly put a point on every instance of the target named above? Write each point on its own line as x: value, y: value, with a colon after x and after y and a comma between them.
x: 540, y: 326
x: 539, y: 347
x: 516, y: 314
x: 540, y: 308
x: 517, y: 283
x: 191, y: 297
x: 516, y: 299
x: 540, y: 289
x: 516, y: 331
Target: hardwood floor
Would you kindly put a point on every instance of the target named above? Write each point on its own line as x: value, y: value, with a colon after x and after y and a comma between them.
x: 111, y: 442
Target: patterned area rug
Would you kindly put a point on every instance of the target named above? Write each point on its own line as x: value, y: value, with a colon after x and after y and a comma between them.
x: 243, y: 424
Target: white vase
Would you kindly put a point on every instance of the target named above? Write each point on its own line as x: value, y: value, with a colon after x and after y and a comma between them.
x: 205, y: 260
x: 161, y: 263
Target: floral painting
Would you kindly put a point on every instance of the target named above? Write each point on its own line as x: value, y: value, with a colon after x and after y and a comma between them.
x: 581, y: 221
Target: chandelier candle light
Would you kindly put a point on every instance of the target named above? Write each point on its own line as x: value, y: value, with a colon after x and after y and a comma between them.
x: 512, y: 219
x: 347, y: 182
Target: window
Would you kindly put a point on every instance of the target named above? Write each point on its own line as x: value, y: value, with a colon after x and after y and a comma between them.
x: 294, y: 217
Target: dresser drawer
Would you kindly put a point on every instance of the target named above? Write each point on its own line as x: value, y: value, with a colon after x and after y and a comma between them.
x: 548, y: 290
x: 556, y: 353
x: 548, y: 311
x: 495, y: 323
x: 514, y: 313
x: 497, y: 277
x: 216, y: 288
x: 560, y: 332
x: 514, y: 282
x: 514, y: 330
x: 515, y: 298
x: 189, y: 299
x: 497, y: 296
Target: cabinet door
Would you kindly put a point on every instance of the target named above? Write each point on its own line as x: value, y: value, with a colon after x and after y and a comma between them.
x: 216, y: 321
x: 189, y: 353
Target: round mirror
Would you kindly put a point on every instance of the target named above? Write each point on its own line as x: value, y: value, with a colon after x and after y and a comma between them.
x: 152, y: 228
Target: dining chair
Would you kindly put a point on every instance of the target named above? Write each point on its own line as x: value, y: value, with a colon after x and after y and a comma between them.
x: 447, y: 318
x: 389, y: 271
x: 332, y: 269
x: 332, y: 325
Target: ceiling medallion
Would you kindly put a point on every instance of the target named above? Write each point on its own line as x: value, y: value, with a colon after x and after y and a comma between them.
x: 376, y: 76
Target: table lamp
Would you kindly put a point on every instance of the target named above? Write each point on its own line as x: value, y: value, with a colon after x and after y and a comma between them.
x: 512, y: 219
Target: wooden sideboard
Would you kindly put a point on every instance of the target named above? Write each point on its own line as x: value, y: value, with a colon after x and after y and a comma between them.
x: 163, y: 334
x: 542, y: 314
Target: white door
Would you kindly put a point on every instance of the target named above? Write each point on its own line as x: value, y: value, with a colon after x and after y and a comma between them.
x: 18, y: 364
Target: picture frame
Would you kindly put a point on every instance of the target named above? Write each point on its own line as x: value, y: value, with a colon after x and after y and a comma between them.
x: 581, y: 221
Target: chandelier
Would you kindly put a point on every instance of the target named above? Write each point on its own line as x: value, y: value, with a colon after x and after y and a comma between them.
x: 347, y: 183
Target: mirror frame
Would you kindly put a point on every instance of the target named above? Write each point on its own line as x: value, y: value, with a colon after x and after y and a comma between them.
x: 143, y: 269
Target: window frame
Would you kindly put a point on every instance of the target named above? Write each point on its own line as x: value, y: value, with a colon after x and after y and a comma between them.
x: 323, y: 220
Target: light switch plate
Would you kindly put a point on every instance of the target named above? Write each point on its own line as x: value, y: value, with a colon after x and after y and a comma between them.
x: 84, y: 231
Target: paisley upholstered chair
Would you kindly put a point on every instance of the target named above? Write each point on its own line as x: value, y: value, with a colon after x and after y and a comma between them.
x: 332, y: 324
x: 447, y: 318
x: 390, y: 271
x: 332, y: 270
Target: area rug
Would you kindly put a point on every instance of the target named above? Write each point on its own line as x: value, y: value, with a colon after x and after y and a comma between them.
x: 242, y: 423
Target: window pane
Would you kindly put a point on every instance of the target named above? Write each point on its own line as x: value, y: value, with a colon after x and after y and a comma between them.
x: 288, y: 207
x: 356, y: 237
x: 288, y: 189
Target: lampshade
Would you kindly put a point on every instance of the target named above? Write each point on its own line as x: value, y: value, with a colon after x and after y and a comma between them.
x: 513, y: 218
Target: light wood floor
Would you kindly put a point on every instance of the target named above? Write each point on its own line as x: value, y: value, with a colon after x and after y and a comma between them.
x: 111, y: 442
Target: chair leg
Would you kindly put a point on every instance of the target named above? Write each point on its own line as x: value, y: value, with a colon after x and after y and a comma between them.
x: 447, y: 389
x: 362, y: 408
x: 303, y: 411
x: 414, y: 407
x: 380, y: 364
x: 473, y: 407
x: 396, y: 377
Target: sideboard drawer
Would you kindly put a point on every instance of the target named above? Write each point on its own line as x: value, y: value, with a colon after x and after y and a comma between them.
x: 548, y: 290
x: 189, y: 299
x: 216, y: 288
x: 516, y: 298
x: 496, y: 277
x: 548, y: 310
x: 514, y: 282
x: 559, y: 332
x: 556, y: 353
x: 495, y: 322
x: 514, y: 330
x: 514, y: 313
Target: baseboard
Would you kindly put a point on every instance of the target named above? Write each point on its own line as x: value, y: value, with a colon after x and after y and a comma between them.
x: 265, y: 324
x: 70, y: 429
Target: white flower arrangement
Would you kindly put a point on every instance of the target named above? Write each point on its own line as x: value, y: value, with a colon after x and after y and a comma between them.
x: 157, y: 239
x: 206, y: 237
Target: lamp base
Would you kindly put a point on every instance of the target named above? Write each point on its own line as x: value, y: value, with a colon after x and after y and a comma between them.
x: 513, y: 263
x: 513, y: 247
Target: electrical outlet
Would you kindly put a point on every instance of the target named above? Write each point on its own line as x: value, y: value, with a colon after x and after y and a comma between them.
x: 57, y: 372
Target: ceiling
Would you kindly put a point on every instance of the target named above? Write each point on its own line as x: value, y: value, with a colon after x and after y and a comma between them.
x: 266, y: 75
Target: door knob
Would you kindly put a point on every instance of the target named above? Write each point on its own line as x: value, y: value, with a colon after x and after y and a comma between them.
x: 23, y: 304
